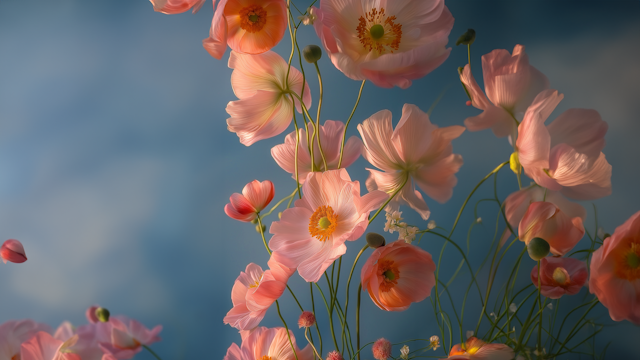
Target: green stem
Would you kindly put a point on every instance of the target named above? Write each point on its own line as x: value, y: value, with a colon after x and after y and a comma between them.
x: 358, y: 320
x: 346, y: 125
x: 313, y: 308
x: 287, y: 329
x: 346, y: 304
x: 279, y: 203
x: 390, y: 198
x: 295, y: 162
x: 540, y: 307
x: 317, y: 133
x: 152, y: 352
x: 335, y: 341
x: 262, y: 234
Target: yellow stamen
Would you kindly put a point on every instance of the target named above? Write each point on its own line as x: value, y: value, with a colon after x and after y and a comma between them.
x: 561, y: 276
x: 252, y: 18
x: 323, y: 223
x: 388, y: 271
x: 379, y: 32
x: 265, y: 357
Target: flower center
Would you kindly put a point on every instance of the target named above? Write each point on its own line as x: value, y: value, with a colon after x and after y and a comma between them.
x: 628, y: 261
x: 256, y: 283
x: 323, y: 223
x: 389, y: 274
x: 379, y: 32
x: 265, y: 357
x: 561, y: 276
x: 16, y: 357
x: 252, y: 18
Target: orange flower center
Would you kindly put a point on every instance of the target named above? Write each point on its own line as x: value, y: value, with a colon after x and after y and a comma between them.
x: 561, y: 276
x: 256, y: 283
x: 265, y: 357
x: 379, y: 32
x: 389, y: 274
x: 253, y: 18
x: 323, y: 222
x: 628, y: 261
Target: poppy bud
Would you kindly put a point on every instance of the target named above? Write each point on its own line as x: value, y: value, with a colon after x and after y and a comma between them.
x: 467, y: 38
x: 102, y: 314
x: 13, y: 251
x: 312, y: 53
x: 375, y: 240
x: 538, y: 248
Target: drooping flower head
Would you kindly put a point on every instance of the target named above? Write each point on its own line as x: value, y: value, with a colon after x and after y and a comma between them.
x: 12, y: 251
x: 560, y: 276
x: 545, y: 220
x: 476, y: 349
x: 330, y: 138
x: 615, y: 272
x: 511, y: 85
x: 387, y: 42
x: 417, y: 152
x: 311, y: 235
x: 397, y: 275
x: 255, y: 196
x: 268, y: 344
x: 177, y: 6
x: 247, y: 26
x: 265, y: 108
x: 565, y: 155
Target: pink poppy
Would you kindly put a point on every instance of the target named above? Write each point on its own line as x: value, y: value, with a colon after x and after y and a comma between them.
x: 566, y: 155
x: 560, y: 276
x: 615, y: 272
x: 397, y: 275
x: 330, y: 139
x: 476, y: 349
x: 43, y: 346
x: 511, y: 85
x: 13, y: 333
x: 247, y: 26
x: 417, y: 152
x: 13, y: 251
x: 545, y: 220
x: 265, y: 108
x: 177, y: 6
x: 254, y: 291
x: 264, y: 343
x: 387, y: 42
x: 255, y: 197
x: 311, y: 235
x: 128, y: 336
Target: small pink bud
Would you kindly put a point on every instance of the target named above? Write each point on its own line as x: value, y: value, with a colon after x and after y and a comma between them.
x: 12, y: 250
x: 381, y: 349
x: 91, y: 314
x: 468, y: 103
x: 334, y: 355
x: 306, y: 320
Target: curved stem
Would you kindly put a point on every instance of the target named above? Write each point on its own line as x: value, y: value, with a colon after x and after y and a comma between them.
x: 358, y: 321
x: 262, y: 234
x: 152, y: 352
x: 317, y: 133
x: 287, y: 329
x: 346, y: 125
x: 390, y: 198
x: 295, y: 162
x: 346, y: 304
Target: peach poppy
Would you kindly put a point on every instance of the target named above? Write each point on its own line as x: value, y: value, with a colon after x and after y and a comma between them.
x: 387, y: 42
x: 398, y: 274
x: 565, y: 155
x: 545, y: 220
x: 615, y: 272
x: 264, y: 108
x: 330, y: 138
x: 12, y: 251
x: 311, y: 235
x: 560, y: 276
x: 476, y: 349
x: 177, y: 6
x: 128, y: 336
x: 43, y: 346
x: 247, y: 26
x: 255, y: 197
x: 264, y: 343
x: 417, y: 152
x: 511, y: 85
x: 15, y: 332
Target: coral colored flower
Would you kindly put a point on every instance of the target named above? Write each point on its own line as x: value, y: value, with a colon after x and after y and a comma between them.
x: 330, y: 139
x: 43, y: 346
x: 565, y: 155
x: 511, y: 85
x: 560, y: 276
x: 545, y: 220
x: 476, y: 349
x: 13, y: 333
x: 177, y: 6
x: 268, y: 344
x: 13, y: 251
x: 397, y: 275
x: 255, y: 196
x: 615, y: 272
x: 415, y: 153
x: 265, y: 108
x: 306, y: 319
x: 334, y: 355
x: 128, y: 336
x: 389, y: 43
x: 247, y: 26
x: 381, y: 349
x: 254, y: 291
x: 311, y: 235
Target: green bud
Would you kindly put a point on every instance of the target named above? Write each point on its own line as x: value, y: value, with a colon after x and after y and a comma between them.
x: 258, y: 228
x: 538, y: 248
x: 254, y: 221
x: 467, y: 38
x: 312, y: 53
x: 375, y: 240
x: 102, y: 314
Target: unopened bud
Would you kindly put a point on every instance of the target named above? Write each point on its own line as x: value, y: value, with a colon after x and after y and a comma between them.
x: 538, y: 248
x: 280, y: 215
x: 375, y: 240
x: 467, y: 38
x: 334, y: 355
x: 312, y: 53
x: 263, y: 228
x: 514, y: 162
x: 12, y: 251
x: 306, y: 319
x: 381, y: 349
x: 254, y: 221
x: 431, y: 224
x: 102, y: 314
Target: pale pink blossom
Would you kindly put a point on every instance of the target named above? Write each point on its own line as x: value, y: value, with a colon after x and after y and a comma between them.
x: 246, y: 26
x: 264, y: 343
x: 254, y: 291
x: 511, y: 85
x: 14, y: 332
x: 177, y: 6
x: 255, y: 197
x: 330, y: 139
x: 559, y: 276
x: 397, y: 275
x: 565, y: 155
x: 265, y: 107
x: 43, y: 346
x: 545, y: 220
x: 417, y: 152
x: 311, y: 235
x: 476, y: 349
x: 615, y: 272
x: 387, y: 42
x: 13, y: 251
x: 128, y: 336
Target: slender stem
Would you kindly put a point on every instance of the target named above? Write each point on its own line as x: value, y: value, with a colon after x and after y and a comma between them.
x: 335, y: 341
x: 280, y: 203
x: 358, y: 320
x: 317, y: 133
x: 313, y: 308
x: 390, y: 198
x: 287, y: 329
x: 306, y: 335
x: 295, y: 162
x: 346, y: 304
x: 346, y: 125
x: 152, y: 352
x: 540, y: 307
x: 262, y: 234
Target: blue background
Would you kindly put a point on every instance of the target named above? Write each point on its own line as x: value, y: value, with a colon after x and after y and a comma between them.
x: 115, y: 160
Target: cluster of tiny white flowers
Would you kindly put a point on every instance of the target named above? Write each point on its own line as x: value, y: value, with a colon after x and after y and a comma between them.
x: 394, y: 223
x: 434, y: 342
x: 310, y: 18
x: 404, y: 352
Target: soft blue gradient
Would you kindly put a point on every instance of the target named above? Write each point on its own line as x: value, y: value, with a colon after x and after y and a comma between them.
x: 116, y: 162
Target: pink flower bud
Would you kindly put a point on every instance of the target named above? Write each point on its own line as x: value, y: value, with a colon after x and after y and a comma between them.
x: 12, y: 250
x: 381, y: 349
x: 306, y: 320
x: 334, y: 355
x: 255, y: 196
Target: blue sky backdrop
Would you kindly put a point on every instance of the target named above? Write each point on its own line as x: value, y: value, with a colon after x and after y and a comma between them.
x: 116, y: 162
